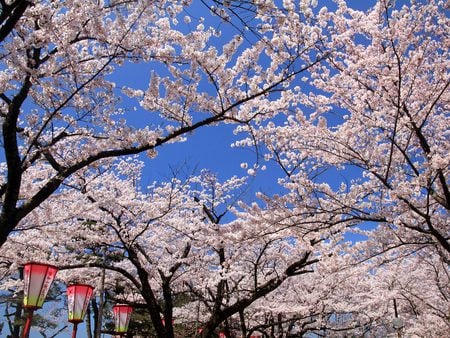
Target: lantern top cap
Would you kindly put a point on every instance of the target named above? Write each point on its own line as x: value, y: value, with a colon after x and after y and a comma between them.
x: 41, y: 264
x: 80, y: 284
x: 122, y: 305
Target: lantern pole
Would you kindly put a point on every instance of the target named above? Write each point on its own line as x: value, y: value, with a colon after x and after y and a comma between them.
x: 74, y: 331
x: 98, y: 324
x: 26, y: 329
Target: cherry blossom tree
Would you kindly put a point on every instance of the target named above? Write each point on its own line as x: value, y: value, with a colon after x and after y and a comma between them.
x: 161, y: 245
x: 366, y: 151
x: 322, y: 93
x: 342, y: 297
x: 61, y: 110
x: 85, y: 231
x: 369, y: 145
x: 171, y: 242
x: 415, y: 290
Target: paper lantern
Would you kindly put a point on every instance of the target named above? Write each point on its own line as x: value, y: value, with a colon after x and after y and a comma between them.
x: 122, y: 315
x: 78, y: 297
x: 38, y: 278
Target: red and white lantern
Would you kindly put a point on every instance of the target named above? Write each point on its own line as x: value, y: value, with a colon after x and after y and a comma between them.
x: 38, y: 278
x: 122, y: 316
x: 78, y: 297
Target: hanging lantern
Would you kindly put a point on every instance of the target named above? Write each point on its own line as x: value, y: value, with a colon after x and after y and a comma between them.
x: 38, y: 278
x: 78, y: 297
x: 122, y: 315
